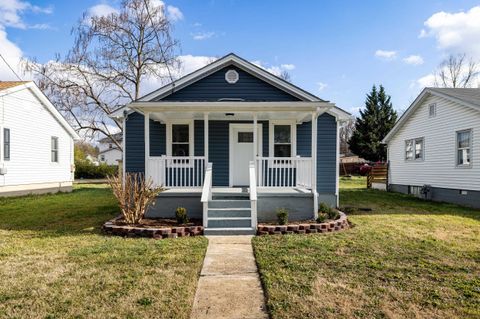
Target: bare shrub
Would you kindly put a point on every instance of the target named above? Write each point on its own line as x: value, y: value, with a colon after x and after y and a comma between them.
x: 134, y: 196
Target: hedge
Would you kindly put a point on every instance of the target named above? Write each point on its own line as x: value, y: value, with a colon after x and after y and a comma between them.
x: 85, y: 169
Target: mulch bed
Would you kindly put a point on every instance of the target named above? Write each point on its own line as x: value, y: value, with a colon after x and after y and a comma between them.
x: 153, y: 228
x: 304, y: 227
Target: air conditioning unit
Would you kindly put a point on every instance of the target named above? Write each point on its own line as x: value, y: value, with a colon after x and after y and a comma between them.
x: 3, y: 170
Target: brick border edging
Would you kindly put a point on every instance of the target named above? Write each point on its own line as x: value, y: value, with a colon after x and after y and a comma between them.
x: 328, y: 227
x: 151, y: 232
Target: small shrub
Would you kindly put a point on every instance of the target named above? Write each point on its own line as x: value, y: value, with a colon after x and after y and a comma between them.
x: 328, y: 211
x: 334, y: 214
x: 322, y: 217
x: 181, y: 215
x: 134, y: 195
x: 86, y: 169
x: 282, y: 216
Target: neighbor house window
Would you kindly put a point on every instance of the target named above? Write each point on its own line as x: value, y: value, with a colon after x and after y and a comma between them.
x: 6, y: 144
x: 414, y: 149
x: 54, y: 149
x: 110, y: 145
x: 464, y: 148
x: 102, y: 158
x: 432, y: 110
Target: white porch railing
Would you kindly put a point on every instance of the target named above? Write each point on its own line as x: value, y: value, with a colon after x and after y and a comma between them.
x: 207, y: 193
x: 176, y: 171
x: 285, y: 172
x: 253, y: 194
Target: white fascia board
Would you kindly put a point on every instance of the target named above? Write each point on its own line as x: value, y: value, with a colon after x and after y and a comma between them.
x: 217, y: 65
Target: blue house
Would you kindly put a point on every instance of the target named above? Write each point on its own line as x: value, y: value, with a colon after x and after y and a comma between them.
x: 233, y: 143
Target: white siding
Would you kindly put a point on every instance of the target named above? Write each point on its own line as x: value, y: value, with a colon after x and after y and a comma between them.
x: 439, y: 165
x: 31, y: 128
x: 112, y: 156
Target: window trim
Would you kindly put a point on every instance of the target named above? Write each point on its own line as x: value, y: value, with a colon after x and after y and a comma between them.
x: 191, y: 140
x: 4, y: 143
x: 434, y: 105
x: 413, y: 159
x: 470, y: 147
x: 52, y: 150
x: 293, y: 136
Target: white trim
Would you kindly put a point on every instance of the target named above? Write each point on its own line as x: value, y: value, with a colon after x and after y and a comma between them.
x: 221, y: 63
x: 230, y: 143
x: 124, y: 150
x: 314, y: 163
x: 293, y: 136
x: 205, y: 137
x: 146, y: 123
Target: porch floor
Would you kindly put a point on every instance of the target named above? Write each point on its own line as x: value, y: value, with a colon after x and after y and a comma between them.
x: 239, y: 190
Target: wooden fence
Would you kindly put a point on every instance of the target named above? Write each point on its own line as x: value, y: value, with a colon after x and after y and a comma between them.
x: 378, y: 175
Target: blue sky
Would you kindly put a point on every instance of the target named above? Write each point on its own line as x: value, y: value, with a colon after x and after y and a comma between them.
x: 334, y: 49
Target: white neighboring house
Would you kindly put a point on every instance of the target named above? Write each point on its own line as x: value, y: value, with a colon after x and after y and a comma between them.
x: 109, y: 153
x: 36, y: 153
x: 436, y: 142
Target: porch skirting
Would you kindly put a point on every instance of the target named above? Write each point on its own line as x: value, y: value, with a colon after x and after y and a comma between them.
x: 298, y: 203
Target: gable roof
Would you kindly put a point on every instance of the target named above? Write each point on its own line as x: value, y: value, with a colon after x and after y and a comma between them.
x: 230, y: 59
x: 117, y: 137
x: 10, y: 87
x: 467, y: 97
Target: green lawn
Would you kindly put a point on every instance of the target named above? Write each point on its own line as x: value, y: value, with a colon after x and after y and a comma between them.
x: 406, y: 258
x: 55, y: 263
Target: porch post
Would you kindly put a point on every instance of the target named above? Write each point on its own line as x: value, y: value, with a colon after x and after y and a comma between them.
x: 255, y: 146
x: 147, y: 141
x: 205, y: 137
x: 314, y: 164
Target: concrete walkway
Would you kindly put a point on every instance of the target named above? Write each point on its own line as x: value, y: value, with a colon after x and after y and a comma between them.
x: 229, y: 284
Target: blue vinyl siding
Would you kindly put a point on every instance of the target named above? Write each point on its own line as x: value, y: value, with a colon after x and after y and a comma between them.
x: 215, y: 87
x: 304, y: 139
x: 158, y: 139
x: 198, y: 135
x: 326, y: 154
x: 135, y: 143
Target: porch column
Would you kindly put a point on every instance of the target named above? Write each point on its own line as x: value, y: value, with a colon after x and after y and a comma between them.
x: 314, y: 164
x: 147, y: 141
x: 205, y: 137
x: 255, y: 146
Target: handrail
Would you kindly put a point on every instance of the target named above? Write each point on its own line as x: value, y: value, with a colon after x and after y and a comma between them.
x: 285, y: 171
x: 207, y: 193
x: 253, y: 194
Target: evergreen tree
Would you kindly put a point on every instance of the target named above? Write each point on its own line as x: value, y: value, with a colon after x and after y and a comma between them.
x: 374, y: 123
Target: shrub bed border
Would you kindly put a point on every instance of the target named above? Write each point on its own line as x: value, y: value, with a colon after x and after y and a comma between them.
x: 305, y: 228
x: 150, y: 232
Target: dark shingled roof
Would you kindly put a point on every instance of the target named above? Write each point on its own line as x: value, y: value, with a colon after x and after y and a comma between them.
x: 467, y: 95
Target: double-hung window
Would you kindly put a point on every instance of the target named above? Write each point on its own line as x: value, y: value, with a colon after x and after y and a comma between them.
x: 414, y: 149
x: 282, y: 141
x: 6, y: 144
x: 54, y: 149
x: 464, y: 148
x: 180, y: 140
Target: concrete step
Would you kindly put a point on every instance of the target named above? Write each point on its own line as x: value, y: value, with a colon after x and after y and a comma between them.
x: 229, y: 212
x: 230, y: 196
x: 238, y: 203
x: 229, y: 222
x: 228, y: 231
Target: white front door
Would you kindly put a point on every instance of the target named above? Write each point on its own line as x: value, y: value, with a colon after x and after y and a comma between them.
x: 242, y: 152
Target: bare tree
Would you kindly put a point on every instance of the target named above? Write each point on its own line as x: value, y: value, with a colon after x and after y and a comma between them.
x: 284, y: 75
x: 346, y: 132
x: 111, y: 59
x: 457, y: 71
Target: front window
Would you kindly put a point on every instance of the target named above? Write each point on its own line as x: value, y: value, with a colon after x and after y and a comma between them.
x: 180, y: 140
x: 54, y: 149
x: 282, y: 141
x: 414, y: 149
x: 464, y: 148
x: 6, y: 144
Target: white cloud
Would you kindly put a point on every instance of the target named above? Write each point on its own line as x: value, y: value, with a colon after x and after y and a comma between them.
x: 386, y: 55
x: 12, y: 53
x: 288, y: 67
x: 413, y: 60
x: 174, y: 13
x: 426, y: 81
x: 11, y: 13
x: 274, y: 69
x: 321, y: 86
x: 203, y: 35
x: 101, y: 10
x: 455, y: 32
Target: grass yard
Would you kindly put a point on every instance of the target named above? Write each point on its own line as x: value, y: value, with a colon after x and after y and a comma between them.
x: 406, y: 258
x: 55, y: 263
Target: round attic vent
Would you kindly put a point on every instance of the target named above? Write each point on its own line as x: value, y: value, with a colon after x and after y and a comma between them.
x: 231, y: 76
